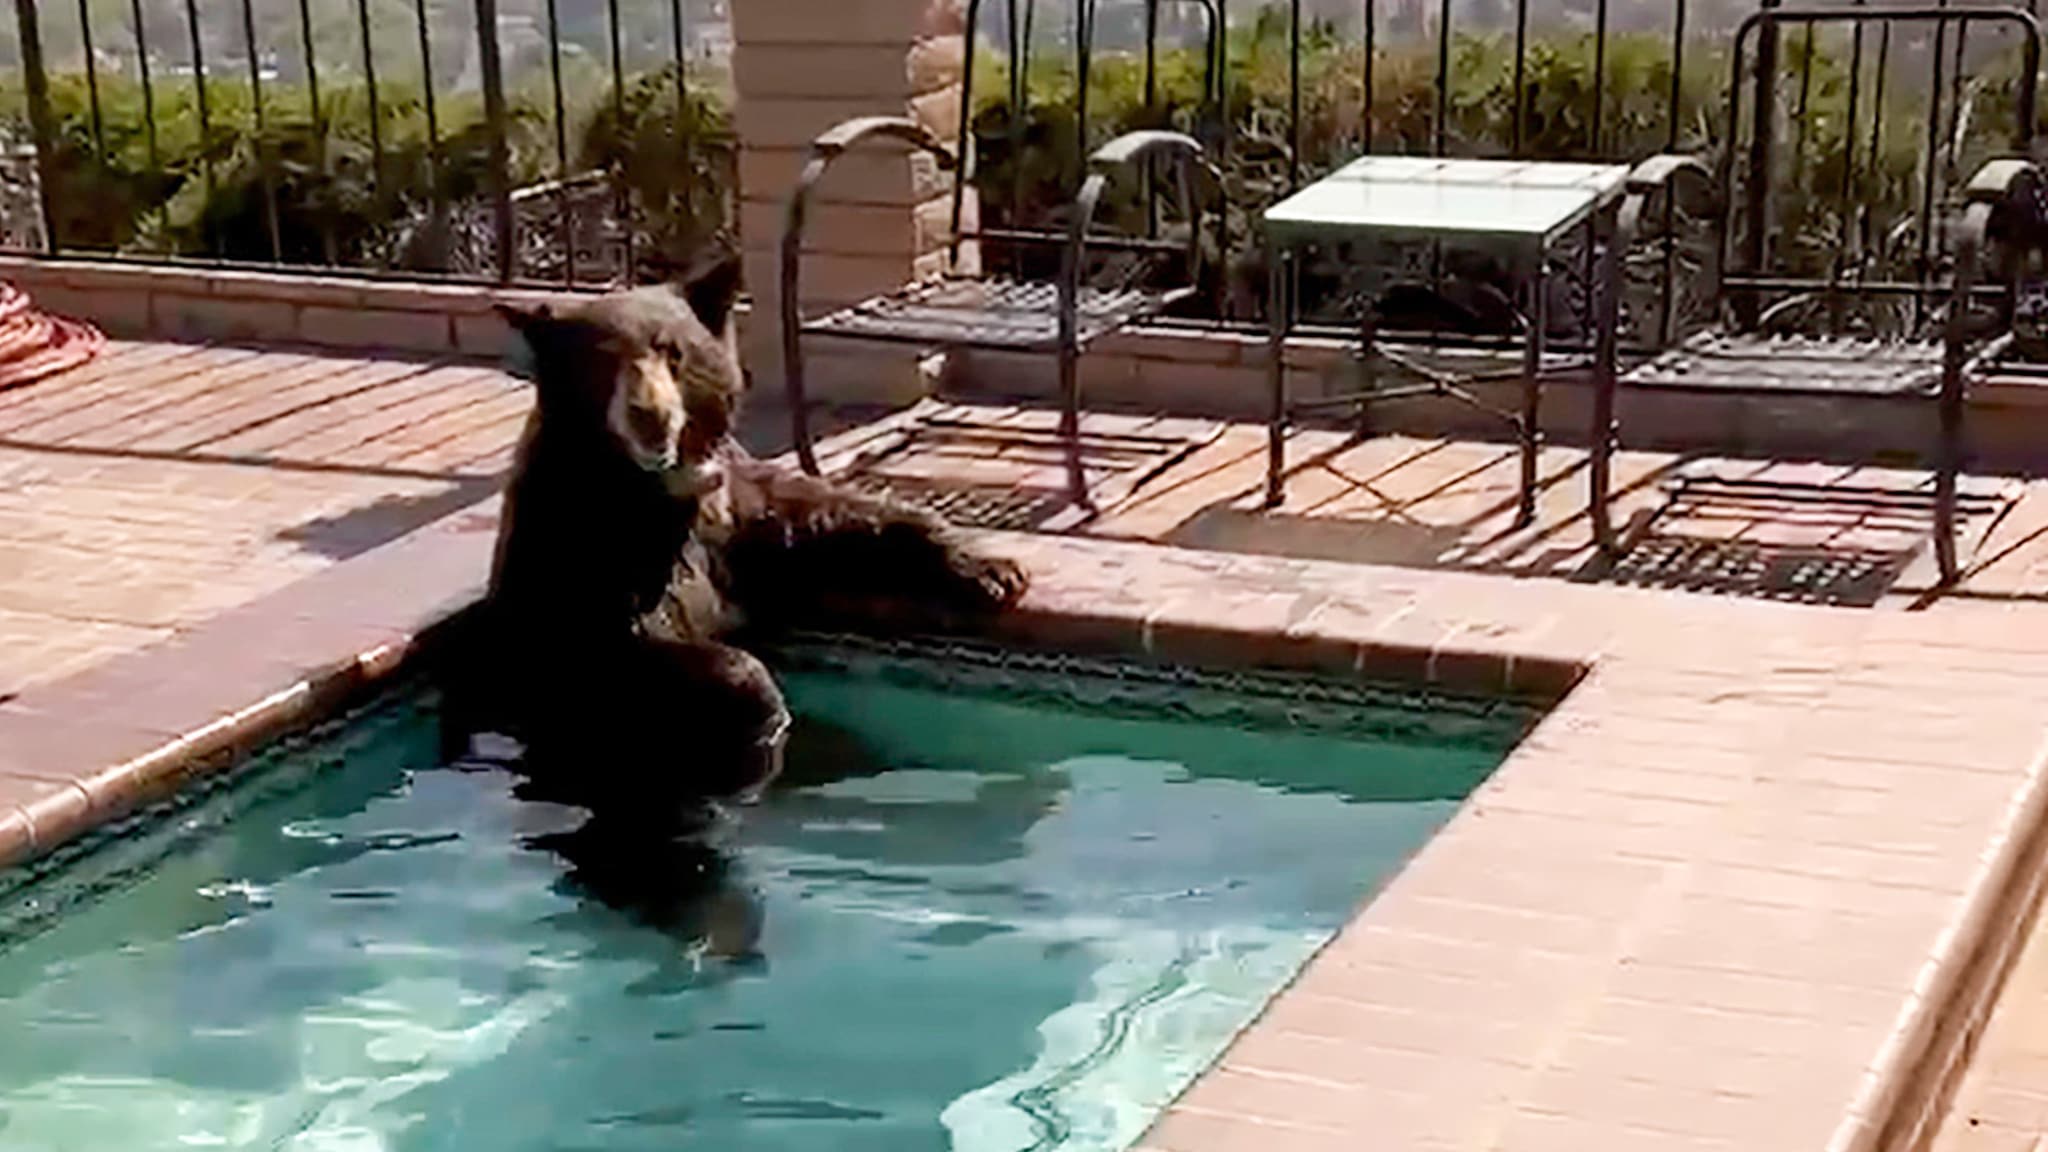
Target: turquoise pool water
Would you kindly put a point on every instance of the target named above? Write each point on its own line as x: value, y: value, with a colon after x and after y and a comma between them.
x: 992, y: 911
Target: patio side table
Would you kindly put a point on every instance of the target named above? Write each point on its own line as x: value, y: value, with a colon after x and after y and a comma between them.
x: 1521, y: 209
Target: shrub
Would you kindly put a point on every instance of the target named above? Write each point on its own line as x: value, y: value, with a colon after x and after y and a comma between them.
x: 337, y: 201
x: 343, y: 197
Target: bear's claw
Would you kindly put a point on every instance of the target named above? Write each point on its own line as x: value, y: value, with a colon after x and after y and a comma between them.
x: 998, y: 582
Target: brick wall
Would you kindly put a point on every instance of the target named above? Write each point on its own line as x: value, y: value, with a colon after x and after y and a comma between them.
x: 882, y: 216
x: 1179, y: 371
x: 191, y: 304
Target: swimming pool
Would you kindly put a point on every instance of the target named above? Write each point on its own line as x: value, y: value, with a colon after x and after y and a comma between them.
x: 1000, y: 903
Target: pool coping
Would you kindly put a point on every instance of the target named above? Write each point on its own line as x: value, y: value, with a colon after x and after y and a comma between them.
x: 85, y: 750
x: 97, y: 744
x: 1899, y: 1100
x: 90, y: 747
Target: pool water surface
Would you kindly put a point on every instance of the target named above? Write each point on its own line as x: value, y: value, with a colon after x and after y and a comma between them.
x: 991, y: 910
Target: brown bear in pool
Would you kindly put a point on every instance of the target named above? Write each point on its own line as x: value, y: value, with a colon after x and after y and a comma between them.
x: 638, y: 537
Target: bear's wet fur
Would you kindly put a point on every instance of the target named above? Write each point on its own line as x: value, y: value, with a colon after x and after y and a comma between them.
x: 638, y: 539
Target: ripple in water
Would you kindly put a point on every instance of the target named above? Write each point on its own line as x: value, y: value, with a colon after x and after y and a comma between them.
x: 968, y: 924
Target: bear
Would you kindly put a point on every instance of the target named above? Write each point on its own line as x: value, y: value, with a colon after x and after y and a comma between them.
x: 640, y: 544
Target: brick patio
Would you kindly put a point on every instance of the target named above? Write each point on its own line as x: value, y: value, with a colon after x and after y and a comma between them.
x: 1740, y: 890
x: 1433, y: 503
x: 163, y: 484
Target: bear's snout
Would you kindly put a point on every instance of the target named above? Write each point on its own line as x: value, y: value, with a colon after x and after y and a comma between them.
x: 653, y: 437
x: 647, y: 414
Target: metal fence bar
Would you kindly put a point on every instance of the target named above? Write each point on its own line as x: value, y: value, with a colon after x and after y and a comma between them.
x: 375, y: 107
x: 1756, y: 210
x: 1667, y: 274
x: 1224, y: 135
x: 622, y: 193
x: 437, y: 198
x: 956, y: 226
x: 92, y: 82
x: 1805, y: 104
x: 678, y: 54
x: 1518, y: 103
x: 1600, y: 18
x: 1293, y: 94
x: 1676, y: 106
x: 205, y: 116
x: 42, y: 124
x: 678, y: 30
x: 263, y: 150
x: 1930, y: 161
x: 1084, y: 75
x: 1150, y: 172
x: 1020, y: 107
x: 143, y: 75
x: 329, y: 251
x: 1443, y: 77
x: 1956, y: 125
x: 1846, y: 204
x: 565, y: 207
x: 1877, y: 100
x: 492, y: 76
x: 1369, y: 32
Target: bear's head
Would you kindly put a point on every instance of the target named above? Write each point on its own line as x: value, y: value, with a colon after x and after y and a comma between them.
x: 655, y: 371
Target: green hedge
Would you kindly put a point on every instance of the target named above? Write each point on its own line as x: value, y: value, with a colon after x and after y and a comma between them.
x: 342, y: 198
x: 335, y: 204
x: 1558, y: 122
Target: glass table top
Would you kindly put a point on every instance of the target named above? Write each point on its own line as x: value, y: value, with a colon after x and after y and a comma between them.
x: 1419, y: 196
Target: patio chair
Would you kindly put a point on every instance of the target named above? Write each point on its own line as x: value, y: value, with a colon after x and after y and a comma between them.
x: 1879, y: 326
x: 1012, y: 310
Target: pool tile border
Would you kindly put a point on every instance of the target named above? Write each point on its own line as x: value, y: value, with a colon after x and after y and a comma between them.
x: 103, y: 742
x: 99, y: 744
x: 1908, y: 1097
x: 1447, y: 663
x: 1506, y: 989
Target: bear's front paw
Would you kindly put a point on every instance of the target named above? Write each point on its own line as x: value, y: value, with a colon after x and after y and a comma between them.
x: 994, y: 582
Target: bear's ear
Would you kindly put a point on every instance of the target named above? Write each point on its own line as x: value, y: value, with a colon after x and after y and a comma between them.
x: 713, y: 289
x: 523, y: 319
x: 521, y: 358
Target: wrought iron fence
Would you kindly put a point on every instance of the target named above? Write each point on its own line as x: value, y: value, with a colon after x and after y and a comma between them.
x: 1887, y: 112
x: 529, y: 140
x: 590, y: 140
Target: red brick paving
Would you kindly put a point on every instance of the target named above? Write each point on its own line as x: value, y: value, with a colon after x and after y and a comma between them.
x: 1717, y: 900
x: 165, y: 484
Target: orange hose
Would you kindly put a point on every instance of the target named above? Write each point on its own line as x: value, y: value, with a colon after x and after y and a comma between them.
x: 35, y: 345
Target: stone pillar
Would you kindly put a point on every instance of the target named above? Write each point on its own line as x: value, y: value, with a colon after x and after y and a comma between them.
x: 882, y: 215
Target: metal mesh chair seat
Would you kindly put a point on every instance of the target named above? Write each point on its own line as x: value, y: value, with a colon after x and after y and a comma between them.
x: 1014, y: 315
x: 997, y: 313
x: 1741, y: 362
